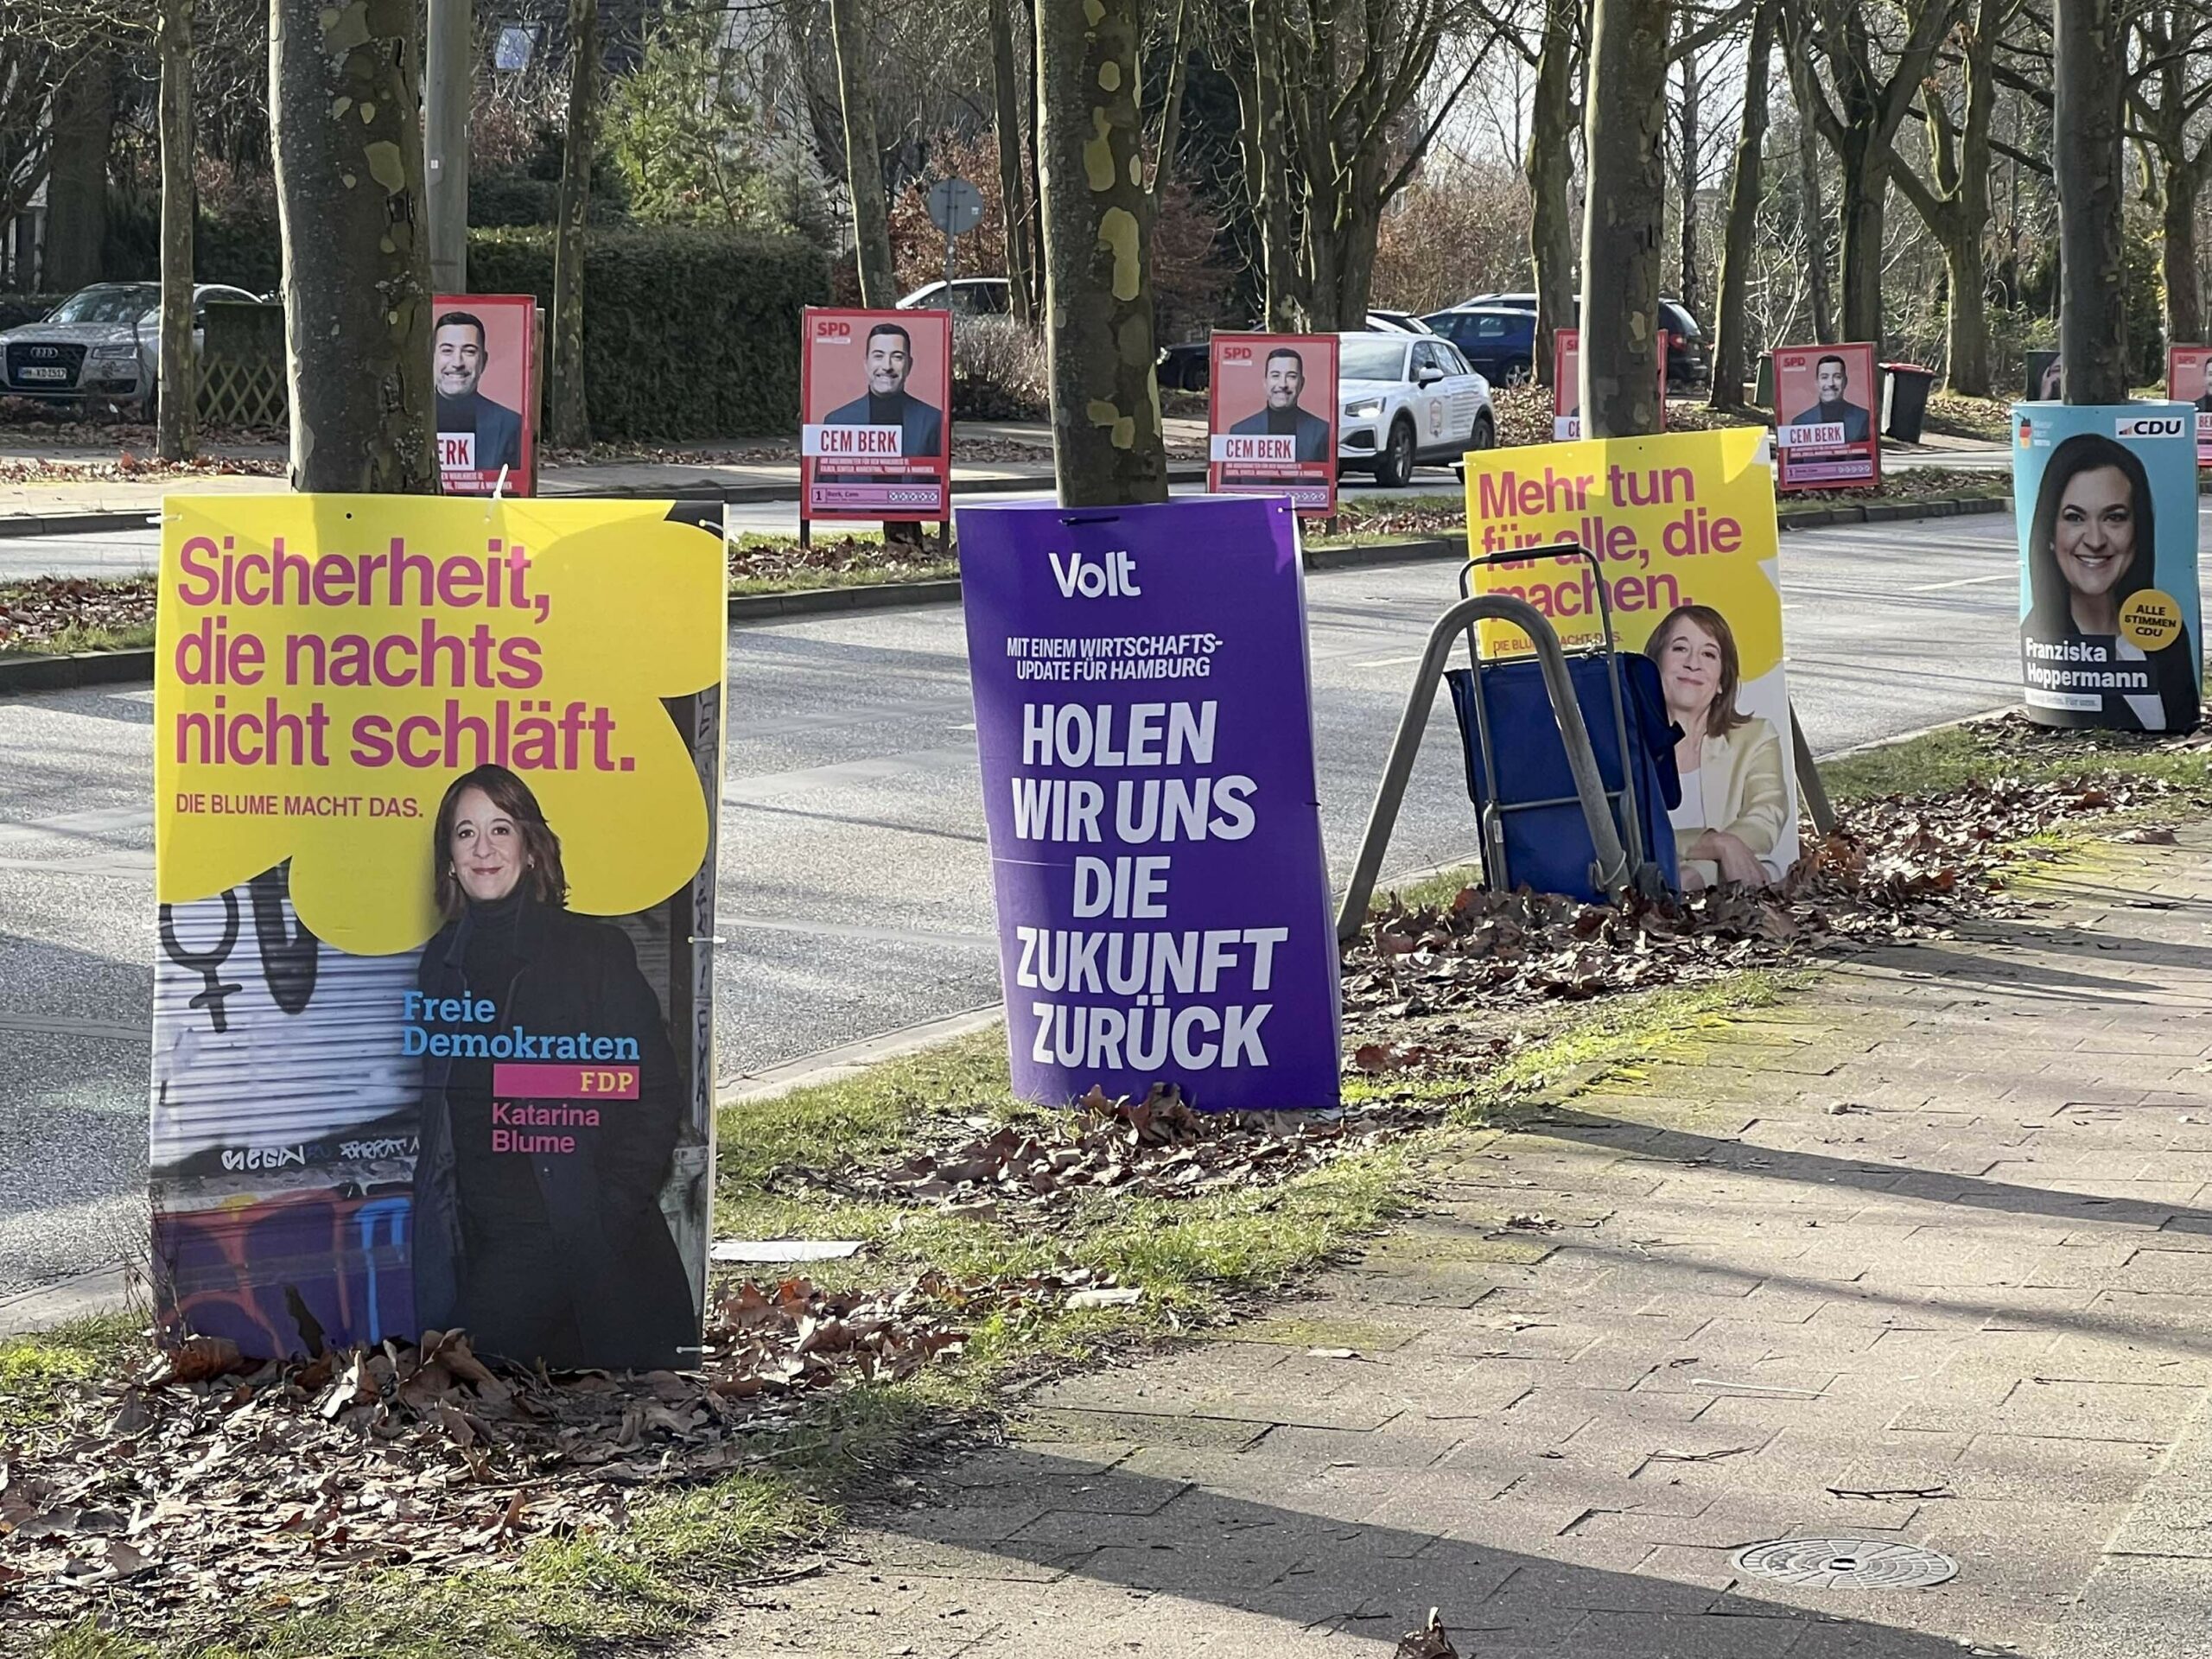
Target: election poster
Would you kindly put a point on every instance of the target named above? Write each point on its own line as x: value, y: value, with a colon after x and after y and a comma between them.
x: 1825, y: 433
x: 1566, y: 388
x: 875, y: 395
x: 435, y: 791
x: 2041, y: 377
x: 2104, y: 499
x: 1271, y: 413
x: 483, y: 366
x: 1144, y: 721
x: 1683, y: 527
x: 2187, y: 383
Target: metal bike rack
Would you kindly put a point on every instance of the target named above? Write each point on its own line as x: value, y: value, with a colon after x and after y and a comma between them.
x: 1611, y: 866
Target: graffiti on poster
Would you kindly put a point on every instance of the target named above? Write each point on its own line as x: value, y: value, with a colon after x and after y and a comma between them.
x: 1144, y: 723
x: 484, y: 368
x: 2105, y: 506
x: 1684, y: 529
x: 876, y: 396
x: 436, y: 785
x: 1272, y: 418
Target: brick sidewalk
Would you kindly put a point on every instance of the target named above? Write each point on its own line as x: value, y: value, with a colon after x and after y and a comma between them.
x: 1922, y: 1255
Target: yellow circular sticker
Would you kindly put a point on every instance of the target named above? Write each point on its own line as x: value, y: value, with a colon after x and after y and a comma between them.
x: 2150, y: 620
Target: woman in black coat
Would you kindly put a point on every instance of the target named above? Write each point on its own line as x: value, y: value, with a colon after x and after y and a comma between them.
x: 538, y: 1223
x: 2092, y: 546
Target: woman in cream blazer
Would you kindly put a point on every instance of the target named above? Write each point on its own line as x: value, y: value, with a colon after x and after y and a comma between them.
x: 1734, y: 802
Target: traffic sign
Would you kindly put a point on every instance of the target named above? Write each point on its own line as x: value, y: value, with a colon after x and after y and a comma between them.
x: 956, y: 206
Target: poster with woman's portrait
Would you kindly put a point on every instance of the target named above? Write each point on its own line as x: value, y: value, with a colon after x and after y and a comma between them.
x: 2105, y: 501
x: 1684, y: 528
x: 436, y: 787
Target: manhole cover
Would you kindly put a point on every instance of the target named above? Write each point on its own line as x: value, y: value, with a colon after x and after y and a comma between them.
x: 1846, y: 1563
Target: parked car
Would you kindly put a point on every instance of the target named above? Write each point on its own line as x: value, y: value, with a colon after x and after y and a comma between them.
x: 1690, y: 362
x: 1189, y: 366
x: 1498, y: 340
x: 1404, y: 400
x: 1402, y: 322
x: 102, y: 344
x: 964, y: 296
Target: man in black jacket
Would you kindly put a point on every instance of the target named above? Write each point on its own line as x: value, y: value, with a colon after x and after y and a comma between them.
x: 459, y: 354
x: 887, y: 402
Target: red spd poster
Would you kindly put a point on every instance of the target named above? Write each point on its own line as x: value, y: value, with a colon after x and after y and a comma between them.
x: 875, y: 436
x: 483, y: 366
x: 1271, y: 414
x: 1824, y: 433
x: 1567, y: 383
x: 2187, y: 371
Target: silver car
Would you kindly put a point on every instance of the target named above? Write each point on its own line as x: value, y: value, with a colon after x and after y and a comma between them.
x: 100, y: 345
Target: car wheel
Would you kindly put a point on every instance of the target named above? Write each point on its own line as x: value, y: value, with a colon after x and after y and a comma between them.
x: 1515, y: 373
x: 1394, y: 467
x: 1484, y: 436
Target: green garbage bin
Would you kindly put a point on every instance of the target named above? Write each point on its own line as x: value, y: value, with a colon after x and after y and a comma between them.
x: 1764, y: 396
x: 1905, y: 400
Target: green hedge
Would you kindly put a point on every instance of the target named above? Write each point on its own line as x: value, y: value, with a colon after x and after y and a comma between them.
x: 688, y: 333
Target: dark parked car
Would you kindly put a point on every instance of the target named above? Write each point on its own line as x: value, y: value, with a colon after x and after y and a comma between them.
x: 1499, y: 340
x: 1689, y: 361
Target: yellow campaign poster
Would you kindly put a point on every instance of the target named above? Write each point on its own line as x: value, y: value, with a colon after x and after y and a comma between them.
x: 436, y: 790
x: 1682, y: 528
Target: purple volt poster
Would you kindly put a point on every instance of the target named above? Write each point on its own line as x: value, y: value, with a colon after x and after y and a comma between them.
x: 1144, y: 716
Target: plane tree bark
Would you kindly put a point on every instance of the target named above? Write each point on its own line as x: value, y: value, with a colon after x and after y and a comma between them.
x: 1107, y: 444
x: 348, y: 140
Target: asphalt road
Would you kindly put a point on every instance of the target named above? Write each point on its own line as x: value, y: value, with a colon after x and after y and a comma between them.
x: 854, y: 882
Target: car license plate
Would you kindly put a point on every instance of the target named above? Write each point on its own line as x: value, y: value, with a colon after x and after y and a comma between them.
x: 46, y: 373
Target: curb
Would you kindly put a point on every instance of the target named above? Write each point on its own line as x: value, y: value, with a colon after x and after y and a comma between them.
x: 22, y: 674
x: 99, y: 1290
x: 15, y: 526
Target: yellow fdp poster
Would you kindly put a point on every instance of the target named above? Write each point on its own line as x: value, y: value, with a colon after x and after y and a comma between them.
x: 1682, y: 529
x: 437, y: 783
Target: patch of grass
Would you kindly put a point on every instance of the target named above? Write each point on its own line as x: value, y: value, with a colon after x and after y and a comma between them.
x: 33, y: 1368
x: 84, y: 635
x: 1955, y: 755
x: 872, y: 576
x: 1619, y: 1032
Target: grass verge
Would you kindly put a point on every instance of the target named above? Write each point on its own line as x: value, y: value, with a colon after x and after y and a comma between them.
x: 1954, y: 755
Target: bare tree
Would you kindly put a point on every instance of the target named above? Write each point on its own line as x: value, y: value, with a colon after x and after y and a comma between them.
x: 2089, y: 87
x: 1689, y: 173
x: 1623, y: 214
x: 1556, y: 114
x: 176, y: 433
x: 1012, y: 128
x: 1730, y: 358
x: 1953, y: 201
x: 1107, y: 445
x: 849, y: 30
x: 2167, y: 101
x: 1805, y: 91
x: 348, y: 145
x: 1874, y: 86
x: 569, y: 413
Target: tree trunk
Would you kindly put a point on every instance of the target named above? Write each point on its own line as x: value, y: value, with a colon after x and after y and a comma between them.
x: 1865, y: 200
x: 176, y: 435
x: 1732, y: 357
x: 1623, y: 217
x: 1033, y: 124
x: 1013, y: 197
x: 570, y: 421
x: 76, y: 184
x: 348, y: 140
x: 850, y: 33
x: 1813, y: 213
x: 1966, y: 336
x: 1690, y: 296
x: 1268, y: 136
x: 1549, y: 170
x: 2087, y: 87
x: 1107, y: 448
x: 446, y: 96
x: 2179, y: 256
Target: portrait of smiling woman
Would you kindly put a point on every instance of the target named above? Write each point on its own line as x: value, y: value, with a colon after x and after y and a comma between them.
x: 1735, y: 803
x: 2093, y: 545
x: 537, y: 1224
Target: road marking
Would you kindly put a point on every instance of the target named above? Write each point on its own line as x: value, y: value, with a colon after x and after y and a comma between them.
x: 1964, y: 582
x: 1389, y: 662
